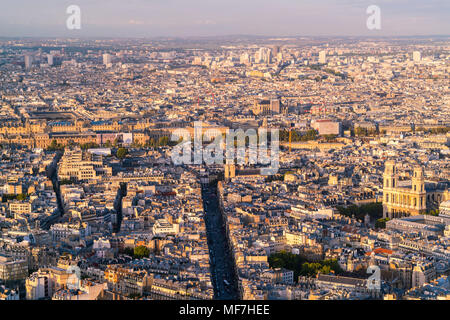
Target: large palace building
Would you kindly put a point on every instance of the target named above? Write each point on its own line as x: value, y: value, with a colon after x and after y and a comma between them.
x: 409, y: 198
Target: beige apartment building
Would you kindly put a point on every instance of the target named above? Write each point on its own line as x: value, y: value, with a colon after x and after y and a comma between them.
x: 11, y: 270
x: 80, y: 165
x: 20, y: 207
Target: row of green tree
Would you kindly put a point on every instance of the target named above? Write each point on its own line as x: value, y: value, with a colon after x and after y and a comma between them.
x: 89, y: 145
x: 433, y: 212
x: 334, y: 73
x: 121, y: 153
x: 161, y: 142
x: 276, y: 177
x: 298, y: 136
x: 381, y: 223
x: 138, y: 252
x: 20, y: 197
x: 152, y: 143
x: 55, y: 146
x: 365, y: 132
x: 301, y: 266
x: 374, y: 210
x: 439, y: 130
x: 65, y: 182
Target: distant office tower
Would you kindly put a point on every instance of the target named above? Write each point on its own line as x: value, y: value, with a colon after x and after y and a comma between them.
x: 28, y: 61
x: 50, y: 59
x: 197, y: 61
x: 322, y: 57
x: 244, y: 58
x: 417, y: 56
x: 276, y: 50
x: 279, y: 56
x: 106, y: 59
x: 264, y: 55
x: 258, y: 56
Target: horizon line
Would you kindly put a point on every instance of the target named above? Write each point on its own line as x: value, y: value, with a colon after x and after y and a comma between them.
x: 225, y: 36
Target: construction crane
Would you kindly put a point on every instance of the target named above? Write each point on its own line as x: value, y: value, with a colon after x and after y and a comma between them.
x: 203, y: 98
x: 290, y: 140
x: 290, y: 137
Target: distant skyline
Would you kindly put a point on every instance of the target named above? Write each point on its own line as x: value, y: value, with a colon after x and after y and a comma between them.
x: 182, y: 18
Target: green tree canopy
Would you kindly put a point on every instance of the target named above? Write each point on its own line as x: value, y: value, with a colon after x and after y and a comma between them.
x: 54, y: 146
x: 89, y: 145
x: 141, y: 252
x: 381, y: 223
x: 301, y: 266
x: 374, y: 210
x: 121, y: 153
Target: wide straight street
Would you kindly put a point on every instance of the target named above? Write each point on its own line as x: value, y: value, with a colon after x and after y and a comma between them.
x: 222, y: 267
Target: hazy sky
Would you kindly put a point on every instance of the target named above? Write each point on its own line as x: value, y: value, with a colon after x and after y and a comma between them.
x: 153, y: 18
